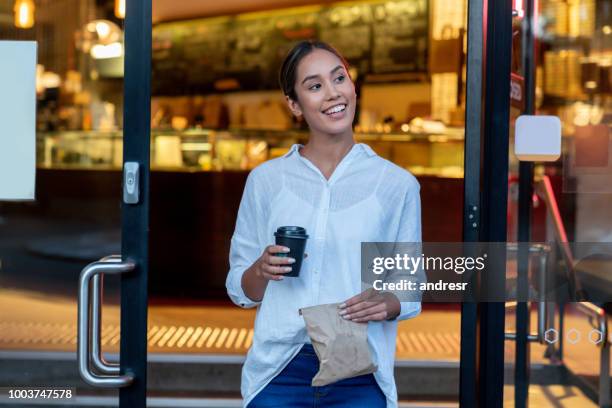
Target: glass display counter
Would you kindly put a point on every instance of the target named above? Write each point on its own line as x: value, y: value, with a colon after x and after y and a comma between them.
x: 428, y: 154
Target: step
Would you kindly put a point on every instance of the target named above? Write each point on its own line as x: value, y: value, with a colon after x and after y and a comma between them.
x: 166, y: 402
x: 209, y: 374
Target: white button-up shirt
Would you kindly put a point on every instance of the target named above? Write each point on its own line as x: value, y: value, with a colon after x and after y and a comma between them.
x: 367, y: 199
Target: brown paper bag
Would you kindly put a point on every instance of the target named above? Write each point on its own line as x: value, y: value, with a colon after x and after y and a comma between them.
x: 341, y: 345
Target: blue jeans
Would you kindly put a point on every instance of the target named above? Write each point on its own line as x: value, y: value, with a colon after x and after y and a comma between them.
x: 292, y: 389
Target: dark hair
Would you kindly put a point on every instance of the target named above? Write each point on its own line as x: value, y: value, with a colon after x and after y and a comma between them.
x: 288, y: 69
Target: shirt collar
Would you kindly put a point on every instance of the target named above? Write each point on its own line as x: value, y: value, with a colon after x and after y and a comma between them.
x: 367, y: 149
x: 292, y: 150
x: 364, y: 147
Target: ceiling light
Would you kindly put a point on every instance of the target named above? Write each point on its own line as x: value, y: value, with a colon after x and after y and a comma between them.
x: 24, y: 13
x: 120, y: 8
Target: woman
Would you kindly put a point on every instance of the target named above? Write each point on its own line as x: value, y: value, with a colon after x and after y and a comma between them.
x: 343, y: 194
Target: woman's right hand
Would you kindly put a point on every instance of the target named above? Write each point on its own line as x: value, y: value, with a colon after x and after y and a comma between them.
x: 272, y: 267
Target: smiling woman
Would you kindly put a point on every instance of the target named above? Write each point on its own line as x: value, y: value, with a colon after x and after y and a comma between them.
x: 342, y: 194
x: 318, y: 88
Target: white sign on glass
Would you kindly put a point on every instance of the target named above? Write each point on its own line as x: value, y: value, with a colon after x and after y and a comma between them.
x: 17, y: 120
x: 537, y: 138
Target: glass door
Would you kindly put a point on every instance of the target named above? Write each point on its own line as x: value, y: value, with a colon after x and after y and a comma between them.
x: 85, y: 233
x: 559, y: 347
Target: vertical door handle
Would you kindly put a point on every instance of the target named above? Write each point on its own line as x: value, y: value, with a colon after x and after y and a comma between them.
x: 95, y: 314
x: 88, y: 333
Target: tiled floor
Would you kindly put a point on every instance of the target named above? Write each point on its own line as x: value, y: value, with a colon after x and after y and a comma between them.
x: 32, y: 320
x: 36, y: 321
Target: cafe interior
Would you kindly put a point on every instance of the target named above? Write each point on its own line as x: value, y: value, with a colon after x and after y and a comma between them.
x: 217, y: 112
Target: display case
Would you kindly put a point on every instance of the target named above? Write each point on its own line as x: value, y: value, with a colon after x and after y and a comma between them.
x: 422, y: 153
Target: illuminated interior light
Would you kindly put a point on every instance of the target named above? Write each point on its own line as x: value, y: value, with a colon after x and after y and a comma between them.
x: 102, y: 29
x: 51, y: 80
x: 196, y: 146
x: 120, y: 8
x: 113, y: 50
x: 40, y: 69
x: 24, y: 13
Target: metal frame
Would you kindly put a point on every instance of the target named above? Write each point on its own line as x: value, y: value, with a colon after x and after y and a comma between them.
x: 135, y: 217
x: 491, y: 316
x: 485, y: 194
x: 523, y: 337
x: 471, y: 193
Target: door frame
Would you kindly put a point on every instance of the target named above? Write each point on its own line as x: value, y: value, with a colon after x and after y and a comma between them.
x: 135, y: 217
x: 485, y: 194
x: 485, y: 188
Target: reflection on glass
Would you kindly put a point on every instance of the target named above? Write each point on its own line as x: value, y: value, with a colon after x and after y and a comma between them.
x: 573, y: 55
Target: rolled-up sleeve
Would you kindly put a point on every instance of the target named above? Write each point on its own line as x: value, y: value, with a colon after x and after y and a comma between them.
x: 410, y: 231
x: 245, y: 248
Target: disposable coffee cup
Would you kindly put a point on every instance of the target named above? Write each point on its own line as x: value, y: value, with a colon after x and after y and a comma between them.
x: 293, y: 238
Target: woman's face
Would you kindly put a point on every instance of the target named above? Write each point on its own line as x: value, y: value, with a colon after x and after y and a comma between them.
x: 326, y: 94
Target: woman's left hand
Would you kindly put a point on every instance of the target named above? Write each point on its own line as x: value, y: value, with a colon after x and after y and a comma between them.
x: 370, y: 305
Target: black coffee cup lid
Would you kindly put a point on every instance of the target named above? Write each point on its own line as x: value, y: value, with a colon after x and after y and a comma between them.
x: 291, y: 232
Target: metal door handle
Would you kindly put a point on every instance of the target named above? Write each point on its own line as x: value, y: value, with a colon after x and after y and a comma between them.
x: 89, y: 316
x: 542, y: 251
x: 95, y: 314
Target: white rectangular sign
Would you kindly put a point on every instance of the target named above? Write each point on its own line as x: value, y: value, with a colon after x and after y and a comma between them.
x: 17, y: 120
x: 537, y: 138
